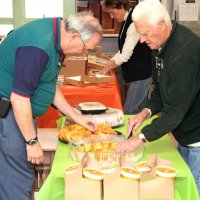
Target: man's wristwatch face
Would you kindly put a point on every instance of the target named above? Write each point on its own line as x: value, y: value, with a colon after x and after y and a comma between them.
x: 32, y: 141
x: 142, y: 137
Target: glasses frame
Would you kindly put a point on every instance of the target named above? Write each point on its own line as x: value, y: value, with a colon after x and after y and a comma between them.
x: 84, y: 49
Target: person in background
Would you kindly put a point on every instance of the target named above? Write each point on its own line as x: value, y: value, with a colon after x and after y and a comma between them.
x: 133, y: 57
x: 176, y: 77
x: 30, y: 62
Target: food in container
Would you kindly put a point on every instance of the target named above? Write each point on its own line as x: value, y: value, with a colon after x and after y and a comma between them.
x: 92, y: 173
x: 101, y: 151
x: 71, y: 169
x: 77, y: 133
x: 104, y: 157
x: 77, y: 155
x: 165, y: 171
x: 106, y: 145
x: 114, y: 145
x: 91, y: 107
x: 130, y: 172
x: 88, y: 147
x: 97, y: 146
x: 112, y: 116
x: 143, y: 166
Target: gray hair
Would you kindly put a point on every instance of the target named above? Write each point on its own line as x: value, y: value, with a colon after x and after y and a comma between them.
x: 152, y: 10
x: 83, y: 23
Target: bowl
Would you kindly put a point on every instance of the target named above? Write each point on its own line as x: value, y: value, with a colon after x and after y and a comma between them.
x: 135, y: 155
x: 143, y: 167
x: 93, y: 173
x: 99, y: 149
x: 108, y: 168
x: 130, y: 172
x: 165, y: 171
x: 104, y: 157
x: 71, y: 169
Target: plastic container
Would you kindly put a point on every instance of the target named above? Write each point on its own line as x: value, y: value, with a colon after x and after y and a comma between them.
x: 135, y: 155
x: 93, y: 173
x: 165, y: 171
x: 71, y: 169
x: 108, y: 168
x: 132, y: 173
x: 104, y: 157
x: 143, y: 167
x: 100, y: 149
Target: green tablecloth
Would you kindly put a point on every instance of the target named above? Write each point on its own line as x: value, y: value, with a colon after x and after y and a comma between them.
x: 185, y: 188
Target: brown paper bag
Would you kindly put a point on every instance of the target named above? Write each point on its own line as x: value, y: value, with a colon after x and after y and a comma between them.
x: 153, y: 187
x: 77, y: 187
x: 117, y: 188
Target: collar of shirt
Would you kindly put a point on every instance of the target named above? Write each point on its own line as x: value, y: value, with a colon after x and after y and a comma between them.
x: 56, y: 31
x: 160, y: 50
x: 126, y: 14
x: 125, y: 18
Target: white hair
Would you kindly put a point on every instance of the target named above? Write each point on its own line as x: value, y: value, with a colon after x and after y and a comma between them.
x: 152, y: 10
x: 83, y: 23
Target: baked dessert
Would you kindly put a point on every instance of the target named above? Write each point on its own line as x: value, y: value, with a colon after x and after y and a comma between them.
x: 102, y: 151
x: 76, y: 132
x: 112, y: 116
x: 91, y: 107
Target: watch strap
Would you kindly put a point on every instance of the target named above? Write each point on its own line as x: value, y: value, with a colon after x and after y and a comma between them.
x: 142, y: 137
x: 32, y: 141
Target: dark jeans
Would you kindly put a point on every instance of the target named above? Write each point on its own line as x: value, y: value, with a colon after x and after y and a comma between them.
x: 16, y: 173
x: 191, y: 155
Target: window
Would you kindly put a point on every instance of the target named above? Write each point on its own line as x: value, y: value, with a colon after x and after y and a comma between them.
x: 5, y: 29
x: 43, y: 8
x: 6, y: 9
x: 6, y: 15
x: 14, y: 13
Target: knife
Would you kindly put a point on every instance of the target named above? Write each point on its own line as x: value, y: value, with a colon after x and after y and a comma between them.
x: 131, y: 134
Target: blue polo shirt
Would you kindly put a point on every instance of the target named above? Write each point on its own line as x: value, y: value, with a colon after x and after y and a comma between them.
x: 29, y: 59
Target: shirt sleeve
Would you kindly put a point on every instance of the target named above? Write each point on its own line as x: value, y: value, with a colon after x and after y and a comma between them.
x: 132, y: 38
x: 29, y: 64
x: 179, y: 93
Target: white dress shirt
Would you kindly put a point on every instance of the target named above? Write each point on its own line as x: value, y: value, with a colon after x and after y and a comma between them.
x: 132, y: 38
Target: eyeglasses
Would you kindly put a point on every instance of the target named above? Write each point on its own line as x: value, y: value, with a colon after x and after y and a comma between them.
x: 84, y: 49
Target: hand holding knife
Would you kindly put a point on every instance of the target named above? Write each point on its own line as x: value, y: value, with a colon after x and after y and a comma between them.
x: 130, y: 130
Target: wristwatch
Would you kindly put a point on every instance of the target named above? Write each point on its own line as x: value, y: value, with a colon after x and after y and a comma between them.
x: 32, y: 141
x: 142, y: 137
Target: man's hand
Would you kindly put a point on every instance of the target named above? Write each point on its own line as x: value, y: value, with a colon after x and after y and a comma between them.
x: 129, y: 145
x: 34, y: 153
x: 87, y: 122
x: 135, y: 122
